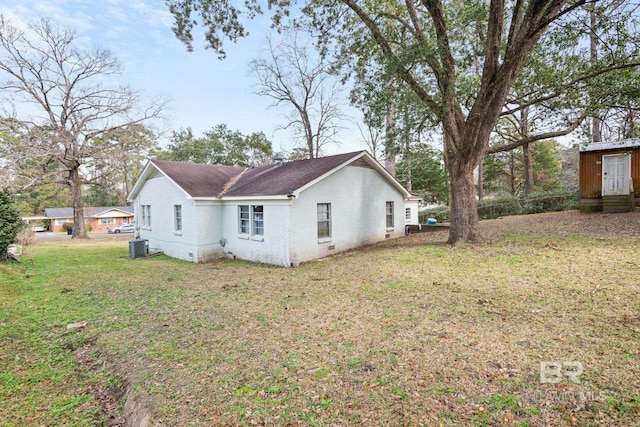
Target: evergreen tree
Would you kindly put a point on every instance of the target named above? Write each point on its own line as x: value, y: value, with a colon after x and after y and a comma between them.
x: 10, y: 222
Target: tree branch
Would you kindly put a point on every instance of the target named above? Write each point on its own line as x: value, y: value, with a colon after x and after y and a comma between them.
x: 537, y: 137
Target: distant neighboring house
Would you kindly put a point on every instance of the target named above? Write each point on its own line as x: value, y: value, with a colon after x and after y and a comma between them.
x: 610, y: 176
x: 282, y: 214
x: 97, y: 219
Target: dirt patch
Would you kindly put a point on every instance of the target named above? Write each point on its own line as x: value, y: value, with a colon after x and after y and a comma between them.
x: 121, y: 405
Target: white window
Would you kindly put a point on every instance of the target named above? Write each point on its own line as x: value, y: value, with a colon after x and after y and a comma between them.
x: 177, y: 217
x: 244, y: 219
x: 107, y: 221
x: 257, y: 220
x: 63, y: 221
x: 407, y: 214
x: 324, y: 220
x: 251, y: 220
x: 389, y: 214
x: 146, y: 215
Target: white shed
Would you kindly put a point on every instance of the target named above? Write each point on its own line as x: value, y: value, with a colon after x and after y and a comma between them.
x: 281, y: 214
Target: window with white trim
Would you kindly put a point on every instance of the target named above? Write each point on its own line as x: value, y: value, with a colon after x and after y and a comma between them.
x: 257, y: 219
x: 177, y: 217
x: 251, y: 220
x: 324, y: 220
x: 389, y: 214
x: 244, y: 219
x: 107, y: 221
x: 146, y: 215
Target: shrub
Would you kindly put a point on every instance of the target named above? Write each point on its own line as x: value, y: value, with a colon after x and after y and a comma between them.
x: 509, y: 205
x: 10, y: 222
x: 500, y: 206
x: 551, y: 201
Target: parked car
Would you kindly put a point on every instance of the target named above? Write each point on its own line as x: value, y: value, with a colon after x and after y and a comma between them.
x: 38, y: 228
x: 124, y: 228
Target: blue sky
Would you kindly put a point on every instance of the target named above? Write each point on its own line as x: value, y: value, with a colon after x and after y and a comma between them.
x: 204, y: 91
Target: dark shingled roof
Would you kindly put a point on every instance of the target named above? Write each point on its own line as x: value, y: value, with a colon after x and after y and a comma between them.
x: 196, y: 179
x: 217, y: 180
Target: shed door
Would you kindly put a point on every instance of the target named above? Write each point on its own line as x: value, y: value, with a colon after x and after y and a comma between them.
x: 616, y: 174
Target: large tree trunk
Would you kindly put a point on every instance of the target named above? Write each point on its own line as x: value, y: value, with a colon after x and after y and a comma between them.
x: 463, y: 216
x: 463, y: 207
x: 79, y: 228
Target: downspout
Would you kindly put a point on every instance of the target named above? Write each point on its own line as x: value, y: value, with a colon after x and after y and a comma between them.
x: 287, y: 240
x: 136, y: 219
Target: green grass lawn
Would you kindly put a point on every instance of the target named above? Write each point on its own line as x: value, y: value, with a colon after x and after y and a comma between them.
x: 409, y: 332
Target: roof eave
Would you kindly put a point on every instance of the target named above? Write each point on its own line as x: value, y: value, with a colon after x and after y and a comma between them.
x: 610, y: 145
x: 392, y: 179
x: 140, y: 181
x: 238, y: 198
x: 146, y: 173
x: 111, y: 210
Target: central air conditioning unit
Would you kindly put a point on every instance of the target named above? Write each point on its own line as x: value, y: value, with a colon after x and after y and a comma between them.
x: 138, y: 248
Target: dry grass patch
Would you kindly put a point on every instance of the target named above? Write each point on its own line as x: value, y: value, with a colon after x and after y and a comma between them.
x: 408, y: 332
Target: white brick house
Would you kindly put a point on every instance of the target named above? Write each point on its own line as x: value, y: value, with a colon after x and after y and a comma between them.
x: 281, y: 214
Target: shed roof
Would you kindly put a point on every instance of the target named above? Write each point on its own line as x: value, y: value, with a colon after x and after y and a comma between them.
x: 216, y: 181
x: 610, y: 145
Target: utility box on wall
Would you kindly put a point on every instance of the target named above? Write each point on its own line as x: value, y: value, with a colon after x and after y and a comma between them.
x: 138, y: 248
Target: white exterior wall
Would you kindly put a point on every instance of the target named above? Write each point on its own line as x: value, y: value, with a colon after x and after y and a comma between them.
x: 272, y: 247
x: 161, y: 194
x: 357, y: 195
x: 209, y: 229
x: 414, y: 206
x: 358, y: 199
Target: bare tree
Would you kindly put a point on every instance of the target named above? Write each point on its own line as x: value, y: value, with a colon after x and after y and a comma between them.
x: 372, y: 136
x: 48, y: 70
x: 293, y: 77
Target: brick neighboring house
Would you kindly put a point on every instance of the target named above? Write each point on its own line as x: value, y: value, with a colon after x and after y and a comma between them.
x: 97, y: 219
